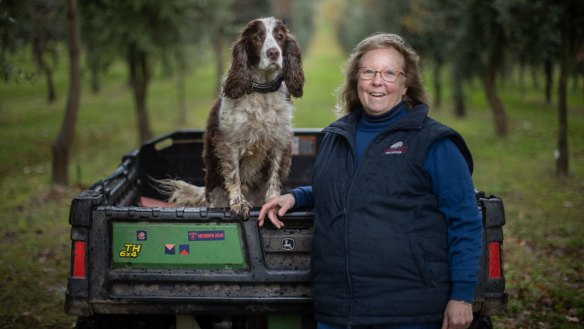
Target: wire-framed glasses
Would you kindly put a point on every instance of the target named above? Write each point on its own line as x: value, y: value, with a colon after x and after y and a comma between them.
x: 389, y: 75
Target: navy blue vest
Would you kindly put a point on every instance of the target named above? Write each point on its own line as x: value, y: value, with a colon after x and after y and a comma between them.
x: 380, y: 251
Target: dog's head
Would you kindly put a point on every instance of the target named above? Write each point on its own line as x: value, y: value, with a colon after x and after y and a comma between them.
x: 264, y: 50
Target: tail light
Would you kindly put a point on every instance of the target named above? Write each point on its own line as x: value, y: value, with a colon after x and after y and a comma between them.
x: 494, y: 260
x: 79, y: 259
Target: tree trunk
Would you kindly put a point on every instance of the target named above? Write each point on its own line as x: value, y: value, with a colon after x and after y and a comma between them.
x: 60, y: 147
x: 499, y: 114
x: 494, y: 60
x: 437, y: 84
x: 458, y: 95
x: 549, y: 80
x: 52, y: 94
x: 139, y: 79
x: 40, y: 45
x: 562, y: 163
x: 38, y: 50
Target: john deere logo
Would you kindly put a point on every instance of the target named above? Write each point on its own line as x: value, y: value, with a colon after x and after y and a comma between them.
x: 288, y: 244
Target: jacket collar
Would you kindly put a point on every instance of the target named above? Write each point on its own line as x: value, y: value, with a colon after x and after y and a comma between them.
x: 413, y: 120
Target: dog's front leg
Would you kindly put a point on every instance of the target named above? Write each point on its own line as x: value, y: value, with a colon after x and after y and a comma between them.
x: 281, y: 161
x: 238, y: 205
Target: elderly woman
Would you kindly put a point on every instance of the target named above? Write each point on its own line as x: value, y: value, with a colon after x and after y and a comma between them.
x: 397, y: 232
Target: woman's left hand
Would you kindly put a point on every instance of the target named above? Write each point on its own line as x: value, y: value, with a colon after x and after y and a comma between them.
x: 458, y: 315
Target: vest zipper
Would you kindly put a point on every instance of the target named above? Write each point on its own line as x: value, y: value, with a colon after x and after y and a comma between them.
x: 346, y: 243
x: 349, y: 288
x: 379, y: 137
x: 346, y: 212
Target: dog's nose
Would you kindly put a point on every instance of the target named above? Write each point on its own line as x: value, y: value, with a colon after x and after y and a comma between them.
x: 273, y: 53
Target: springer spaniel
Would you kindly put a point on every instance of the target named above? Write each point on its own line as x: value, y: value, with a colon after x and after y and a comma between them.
x: 247, y: 142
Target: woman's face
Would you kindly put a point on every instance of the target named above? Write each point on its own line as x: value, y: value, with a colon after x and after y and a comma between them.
x: 377, y: 95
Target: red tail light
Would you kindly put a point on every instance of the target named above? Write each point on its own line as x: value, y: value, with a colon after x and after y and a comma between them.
x: 79, y: 259
x: 494, y: 260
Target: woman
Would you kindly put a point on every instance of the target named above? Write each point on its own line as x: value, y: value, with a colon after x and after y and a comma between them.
x: 397, y: 232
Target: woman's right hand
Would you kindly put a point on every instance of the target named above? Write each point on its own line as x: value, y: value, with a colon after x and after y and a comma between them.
x: 276, y: 207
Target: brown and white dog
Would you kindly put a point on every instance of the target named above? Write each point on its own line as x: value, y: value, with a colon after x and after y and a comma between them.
x: 248, y: 139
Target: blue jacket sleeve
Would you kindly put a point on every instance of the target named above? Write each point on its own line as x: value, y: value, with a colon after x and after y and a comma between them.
x: 453, y: 186
x: 303, y: 197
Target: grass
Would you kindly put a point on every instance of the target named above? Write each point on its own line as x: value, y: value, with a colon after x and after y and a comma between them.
x: 543, y: 242
x: 543, y: 249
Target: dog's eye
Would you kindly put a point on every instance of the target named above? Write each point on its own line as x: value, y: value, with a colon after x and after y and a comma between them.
x: 257, y: 38
x: 280, y: 36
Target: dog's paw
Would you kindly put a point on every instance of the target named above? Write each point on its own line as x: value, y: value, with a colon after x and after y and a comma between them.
x: 241, y: 209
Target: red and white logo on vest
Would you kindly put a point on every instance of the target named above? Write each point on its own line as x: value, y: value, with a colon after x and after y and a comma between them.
x: 396, y: 148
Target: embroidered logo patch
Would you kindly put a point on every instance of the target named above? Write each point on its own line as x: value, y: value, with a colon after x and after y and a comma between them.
x: 396, y: 148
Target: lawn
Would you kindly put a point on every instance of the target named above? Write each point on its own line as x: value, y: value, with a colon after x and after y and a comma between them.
x: 543, y: 247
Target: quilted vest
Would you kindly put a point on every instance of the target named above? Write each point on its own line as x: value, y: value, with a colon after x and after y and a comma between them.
x: 380, y: 250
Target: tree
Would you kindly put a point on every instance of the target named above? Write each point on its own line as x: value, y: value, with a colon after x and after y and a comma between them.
x: 427, y: 25
x: 571, y: 30
x: 14, y: 15
x: 298, y: 15
x: 529, y: 27
x: 46, y: 34
x: 362, y: 18
x: 480, y: 48
x: 61, y: 146
x: 432, y: 27
x: 99, y: 52
x: 550, y: 31
x: 141, y: 32
x: 223, y: 19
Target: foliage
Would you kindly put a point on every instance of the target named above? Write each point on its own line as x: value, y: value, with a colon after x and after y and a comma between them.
x: 542, y: 248
x: 556, y: 33
x: 14, y: 33
x: 301, y: 21
x: 365, y: 17
x: 520, y: 19
x: 152, y: 26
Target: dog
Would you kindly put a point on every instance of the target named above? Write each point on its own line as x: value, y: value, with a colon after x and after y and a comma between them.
x: 248, y: 139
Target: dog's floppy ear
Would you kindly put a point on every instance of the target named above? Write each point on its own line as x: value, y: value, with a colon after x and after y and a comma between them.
x: 293, y: 73
x: 239, y: 78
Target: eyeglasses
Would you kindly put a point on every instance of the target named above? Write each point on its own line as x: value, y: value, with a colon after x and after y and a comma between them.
x: 388, y: 75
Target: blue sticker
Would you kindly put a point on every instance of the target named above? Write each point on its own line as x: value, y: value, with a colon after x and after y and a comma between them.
x: 206, y: 235
x: 184, y: 249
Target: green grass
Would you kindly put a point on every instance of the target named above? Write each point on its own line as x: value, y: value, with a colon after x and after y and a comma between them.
x: 543, y: 242
x: 543, y: 245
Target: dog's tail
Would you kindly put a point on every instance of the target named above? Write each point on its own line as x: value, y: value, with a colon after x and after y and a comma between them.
x: 181, y: 193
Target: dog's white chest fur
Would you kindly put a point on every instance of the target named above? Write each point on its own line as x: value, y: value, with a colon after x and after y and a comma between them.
x: 257, y: 122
